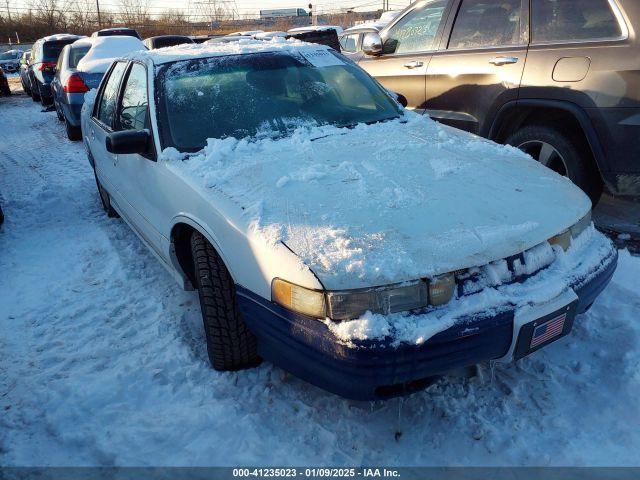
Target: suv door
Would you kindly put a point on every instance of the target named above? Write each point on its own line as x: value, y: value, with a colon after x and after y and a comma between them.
x: 479, y: 66
x: 407, y: 48
x: 140, y: 176
x: 101, y: 124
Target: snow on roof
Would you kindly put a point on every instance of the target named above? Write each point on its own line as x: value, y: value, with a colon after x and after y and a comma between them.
x: 104, y: 50
x: 60, y: 36
x: 364, y: 26
x: 242, y: 46
x: 315, y: 28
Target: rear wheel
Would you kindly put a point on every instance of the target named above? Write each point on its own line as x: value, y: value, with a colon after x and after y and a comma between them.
x: 73, y: 133
x: 105, y: 199
x: 35, y: 95
x: 563, y: 153
x: 230, y: 344
x: 59, y: 113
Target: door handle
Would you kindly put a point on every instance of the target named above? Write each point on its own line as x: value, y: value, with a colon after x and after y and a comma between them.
x: 414, y: 64
x: 499, y: 61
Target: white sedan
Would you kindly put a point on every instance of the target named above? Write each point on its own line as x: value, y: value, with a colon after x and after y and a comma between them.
x: 362, y: 247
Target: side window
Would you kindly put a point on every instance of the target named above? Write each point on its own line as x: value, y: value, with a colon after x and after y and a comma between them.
x: 566, y: 20
x: 416, y: 31
x: 486, y: 23
x: 134, y: 109
x: 349, y: 43
x: 107, y: 106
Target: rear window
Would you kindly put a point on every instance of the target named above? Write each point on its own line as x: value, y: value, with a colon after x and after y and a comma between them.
x: 566, y: 20
x: 170, y: 41
x: 76, y: 54
x: 51, y: 50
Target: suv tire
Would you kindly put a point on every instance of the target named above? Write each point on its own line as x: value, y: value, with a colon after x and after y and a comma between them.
x: 230, y: 344
x: 73, y: 133
x: 105, y: 199
x: 562, y: 153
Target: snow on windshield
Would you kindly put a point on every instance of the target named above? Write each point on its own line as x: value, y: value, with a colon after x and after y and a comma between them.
x: 104, y: 50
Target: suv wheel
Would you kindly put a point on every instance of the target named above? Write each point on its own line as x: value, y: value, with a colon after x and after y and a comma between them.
x: 562, y: 153
x: 105, y: 199
x: 230, y: 344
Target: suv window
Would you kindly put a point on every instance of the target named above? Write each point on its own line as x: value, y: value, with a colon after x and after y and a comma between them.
x: 134, y: 108
x: 564, y: 20
x: 60, y: 61
x: 107, y: 105
x: 486, y: 23
x: 416, y: 31
x: 349, y: 43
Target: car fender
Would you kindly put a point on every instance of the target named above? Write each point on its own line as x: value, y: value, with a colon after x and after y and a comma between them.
x: 251, y: 263
x: 575, y: 110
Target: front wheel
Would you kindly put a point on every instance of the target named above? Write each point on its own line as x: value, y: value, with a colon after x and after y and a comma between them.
x: 230, y: 344
x: 562, y: 153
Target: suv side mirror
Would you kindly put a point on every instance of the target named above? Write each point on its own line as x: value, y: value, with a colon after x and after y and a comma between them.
x: 128, y: 142
x: 372, y: 44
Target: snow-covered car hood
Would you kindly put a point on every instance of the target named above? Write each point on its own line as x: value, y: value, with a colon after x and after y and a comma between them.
x: 388, y: 202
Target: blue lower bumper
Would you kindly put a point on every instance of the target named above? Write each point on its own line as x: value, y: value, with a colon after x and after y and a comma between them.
x: 306, y: 348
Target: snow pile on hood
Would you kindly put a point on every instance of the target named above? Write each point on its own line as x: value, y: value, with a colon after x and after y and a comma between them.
x: 582, y: 260
x: 104, y: 50
x: 188, y: 51
x: 388, y: 202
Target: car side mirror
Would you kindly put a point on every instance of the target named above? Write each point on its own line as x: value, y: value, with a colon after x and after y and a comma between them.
x: 128, y: 142
x: 372, y: 44
x: 401, y: 99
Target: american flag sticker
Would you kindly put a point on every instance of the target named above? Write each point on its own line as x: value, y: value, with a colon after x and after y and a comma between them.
x: 547, y: 330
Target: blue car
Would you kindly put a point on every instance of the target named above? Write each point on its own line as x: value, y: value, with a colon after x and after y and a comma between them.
x: 69, y: 86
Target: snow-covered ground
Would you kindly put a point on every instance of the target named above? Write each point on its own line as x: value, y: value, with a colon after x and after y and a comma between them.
x: 103, y: 359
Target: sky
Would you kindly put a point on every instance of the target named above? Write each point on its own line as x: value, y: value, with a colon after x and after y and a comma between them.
x: 246, y: 7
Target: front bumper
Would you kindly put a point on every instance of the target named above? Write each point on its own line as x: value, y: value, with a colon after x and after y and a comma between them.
x: 307, y: 348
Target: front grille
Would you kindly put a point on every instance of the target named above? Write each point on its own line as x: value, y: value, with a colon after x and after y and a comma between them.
x: 516, y: 268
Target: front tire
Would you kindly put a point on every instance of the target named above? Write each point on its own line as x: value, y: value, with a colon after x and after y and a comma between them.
x: 230, y: 344
x: 565, y: 154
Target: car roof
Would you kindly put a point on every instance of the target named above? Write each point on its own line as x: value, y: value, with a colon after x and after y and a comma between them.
x: 242, y: 46
x: 60, y: 37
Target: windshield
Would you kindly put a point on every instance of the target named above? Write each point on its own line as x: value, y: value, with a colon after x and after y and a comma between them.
x: 10, y: 55
x: 264, y: 94
x: 52, y: 49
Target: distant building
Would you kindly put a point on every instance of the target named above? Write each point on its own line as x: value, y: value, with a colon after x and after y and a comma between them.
x: 283, y: 12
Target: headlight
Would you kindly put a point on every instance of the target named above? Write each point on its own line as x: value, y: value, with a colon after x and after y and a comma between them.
x: 581, y: 225
x: 564, y: 239
x: 350, y: 304
x: 297, y: 298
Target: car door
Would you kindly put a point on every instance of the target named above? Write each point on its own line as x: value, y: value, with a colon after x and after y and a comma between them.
x: 101, y: 124
x: 407, y: 48
x: 479, y: 64
x: 139, y: 175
